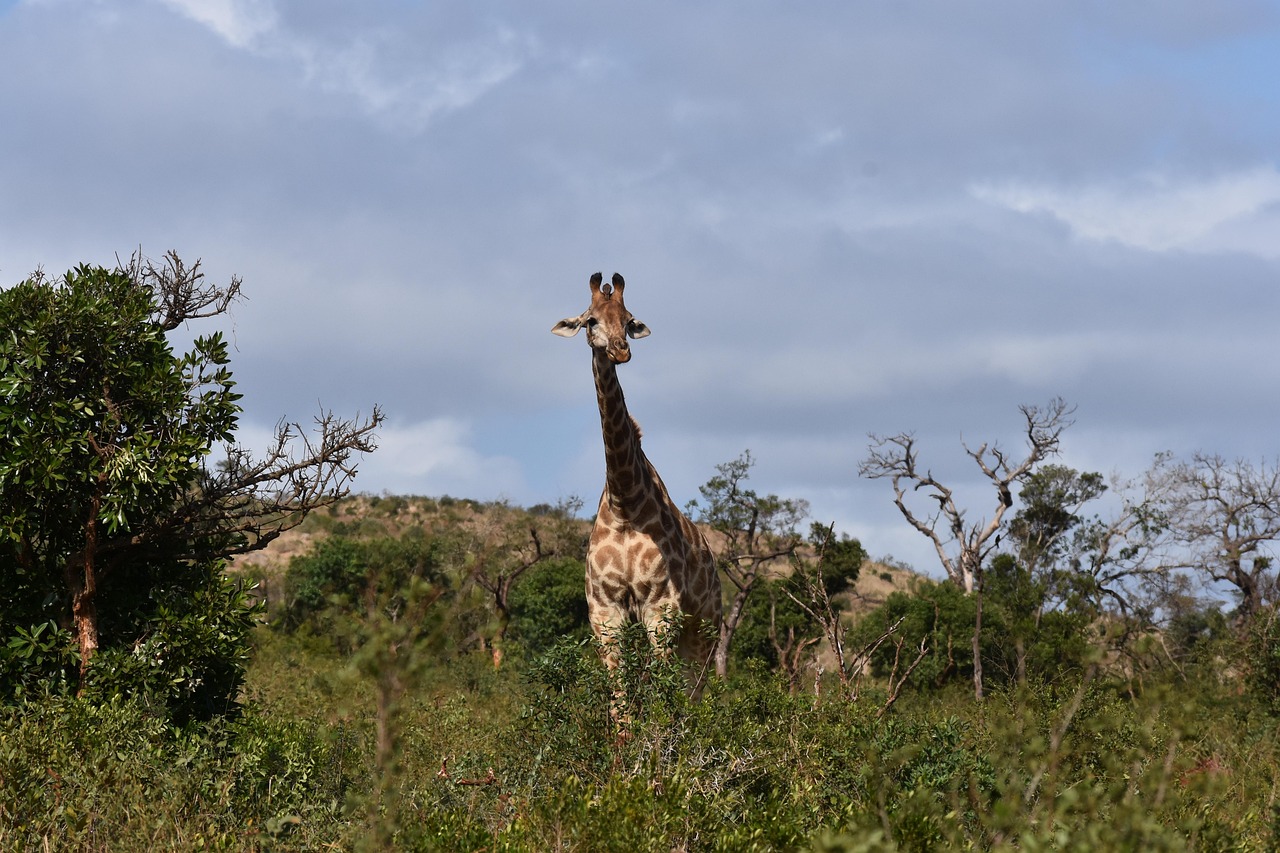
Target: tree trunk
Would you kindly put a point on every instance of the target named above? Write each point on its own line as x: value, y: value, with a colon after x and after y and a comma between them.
x: 728, y: 625
x: 82, y: 583
x: 1250, y: 597
x: 977, y: 642
x: 500, y: 636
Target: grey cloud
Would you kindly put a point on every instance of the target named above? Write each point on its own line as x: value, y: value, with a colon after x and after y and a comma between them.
x: 414, y: 194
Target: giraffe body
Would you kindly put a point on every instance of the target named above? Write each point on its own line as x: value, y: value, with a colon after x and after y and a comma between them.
x: 646, y: 562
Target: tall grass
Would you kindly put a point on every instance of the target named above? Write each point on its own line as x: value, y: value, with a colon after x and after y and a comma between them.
x: 528, y: 758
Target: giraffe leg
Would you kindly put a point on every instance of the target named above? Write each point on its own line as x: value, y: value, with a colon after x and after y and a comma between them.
x: 665, y: 626
x: 670, y: 631
x: 607, y: 624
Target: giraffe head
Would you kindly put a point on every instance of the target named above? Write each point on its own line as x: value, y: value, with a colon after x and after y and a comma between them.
x: 608, y: 322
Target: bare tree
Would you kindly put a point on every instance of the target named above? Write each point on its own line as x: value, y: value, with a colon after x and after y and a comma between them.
x: 511, y: 545
x: 180, y: 292
x: 962, y: 548
x: 1226, y: 514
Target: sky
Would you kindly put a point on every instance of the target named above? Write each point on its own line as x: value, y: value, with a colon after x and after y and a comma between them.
x: 837, y: 218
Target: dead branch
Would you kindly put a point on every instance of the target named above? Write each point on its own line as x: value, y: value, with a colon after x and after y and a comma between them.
x: 180, y: 291
x: 897, y: 682
x: 962, y: 548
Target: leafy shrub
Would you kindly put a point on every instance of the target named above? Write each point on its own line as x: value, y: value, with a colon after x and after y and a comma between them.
x: 97, y: 775
x: 549, y: 604
x: 1262, y: 656
x: 333, y: 579
x: 769, y: 608
x: 939, y: 613
x: 183, y: 649
x: 38, y: 660
x: 194, y: 647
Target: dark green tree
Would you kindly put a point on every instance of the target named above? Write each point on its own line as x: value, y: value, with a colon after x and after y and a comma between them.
x: 114, y: 515
x: 508, y: 544
x: 1052, y: 497
x: 935, y: 616
x: 328, y: 586
x: 1037, y: 574
x: 1027, y: 636
x: 549, y: 605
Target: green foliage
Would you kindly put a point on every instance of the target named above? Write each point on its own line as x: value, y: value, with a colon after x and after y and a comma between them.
x: 192, y: 645
x: 770, y: 613
x: 338, y: 576
x: 1051, y: 497
x: 753, y: 524
x: 1262, y: 656
x: 1052, y: 645
x: 100, y: 422
x: 336, y: 566
x: 532, y: 761
x: 183, y: 650
x: 113, y: 524
x: 840, y: 558
x: 549, y: 604
x: 1197, y: 630
x: 755, y: 531
x: 940, y: 613
x: 102, y: 430
x: 1022, y: 637
x: 39, y: 659
x: 388, y: 739
x: 85, y: 774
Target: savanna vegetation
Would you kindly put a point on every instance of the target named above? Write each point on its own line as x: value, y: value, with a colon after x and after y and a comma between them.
x: 203, y: 648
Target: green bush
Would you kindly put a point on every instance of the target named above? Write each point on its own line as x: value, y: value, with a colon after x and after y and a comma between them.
x: 1261, y: 645
x: 548, y: 604
x: 490, y: 761
x: 769, y: 605
x: 183, y: 649
x: 99, y: 775
x: 194, y: 647
x: 336, y: 577
x: 939, y: 613
x: 943, y: 615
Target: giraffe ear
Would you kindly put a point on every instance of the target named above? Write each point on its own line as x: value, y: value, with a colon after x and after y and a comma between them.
x: 636, y: 329
x: 569, y: 326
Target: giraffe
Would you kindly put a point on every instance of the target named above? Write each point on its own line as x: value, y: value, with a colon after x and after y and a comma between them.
x: 646, y: 562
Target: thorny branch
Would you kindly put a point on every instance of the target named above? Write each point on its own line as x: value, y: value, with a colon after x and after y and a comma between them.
x: 180, y: 291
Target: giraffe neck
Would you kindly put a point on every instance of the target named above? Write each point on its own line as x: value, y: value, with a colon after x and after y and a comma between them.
x: 627, y: 478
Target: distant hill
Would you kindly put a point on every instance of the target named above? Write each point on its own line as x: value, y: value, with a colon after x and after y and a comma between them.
x: 365, y: 516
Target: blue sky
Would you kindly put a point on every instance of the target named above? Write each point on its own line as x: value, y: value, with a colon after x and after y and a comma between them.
x: 837, y: 219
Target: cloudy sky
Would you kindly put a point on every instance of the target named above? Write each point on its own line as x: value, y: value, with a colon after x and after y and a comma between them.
x: 837, y: 218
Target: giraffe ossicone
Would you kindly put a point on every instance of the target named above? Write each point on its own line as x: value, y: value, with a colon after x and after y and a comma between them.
x: 646, y: 561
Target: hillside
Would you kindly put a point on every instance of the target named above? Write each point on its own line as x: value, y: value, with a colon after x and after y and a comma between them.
x: 363, y: 516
